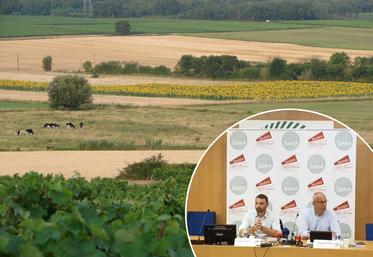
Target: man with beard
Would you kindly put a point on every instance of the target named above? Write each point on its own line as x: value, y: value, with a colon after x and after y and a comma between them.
x: 318, y: 218
x: 260, y: 222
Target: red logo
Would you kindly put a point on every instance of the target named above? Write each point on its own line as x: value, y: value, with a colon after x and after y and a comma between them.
x: 343, y: 160
x: 264, y: 137
x: 317, y: 137
x: 342, y: 206
x: 317, y: 182
x: 289, y: 205
x: 290, y: 160
x: 264, y: 182
x: 238, y: 204
x: 238, y: 159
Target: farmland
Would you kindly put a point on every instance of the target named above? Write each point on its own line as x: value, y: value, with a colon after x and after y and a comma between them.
x: 140, y: 128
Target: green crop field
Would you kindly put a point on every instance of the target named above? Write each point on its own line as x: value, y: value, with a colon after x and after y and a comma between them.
x: 333, y: 37
x: 131, y: 128
x: 19, y: 26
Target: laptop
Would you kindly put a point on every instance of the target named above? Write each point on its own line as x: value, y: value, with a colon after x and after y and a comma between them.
x: 324, y: 235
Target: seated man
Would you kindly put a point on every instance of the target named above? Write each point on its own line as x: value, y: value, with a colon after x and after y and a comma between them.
x: 318, y: 218
x: 260, y: 222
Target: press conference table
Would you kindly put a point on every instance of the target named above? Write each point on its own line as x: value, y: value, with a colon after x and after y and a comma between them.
x: 280, y: 251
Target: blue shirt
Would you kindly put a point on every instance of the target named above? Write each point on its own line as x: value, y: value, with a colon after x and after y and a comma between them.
x: 310, y: 221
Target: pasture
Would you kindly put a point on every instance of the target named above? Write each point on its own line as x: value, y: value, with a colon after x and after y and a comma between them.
x: 153, y: 128
x: 21, y: 26
x: 343, y: 37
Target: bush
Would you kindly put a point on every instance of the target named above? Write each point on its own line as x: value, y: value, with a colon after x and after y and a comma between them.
x: 277, y: 68
x: 122, y: 27
x: 87, y: 66
x: 69, y: 91
x: 143, y: 169
x: 47, y: 63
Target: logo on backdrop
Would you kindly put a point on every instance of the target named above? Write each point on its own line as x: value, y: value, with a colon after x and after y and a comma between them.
x: 238, y: 140
x: 237, y: 205
x: 316, y: 163
x: 238, y: 160
x: 343, y: 140
x: 290, y: 140
x: 343, y: 186
x: 345, y: 206
x: 343, y: 161
x: 318, y: 138
x: 291, y: 162
x: 238, y: 185
x: 290, y: 186
x: 346, y: 231
x: 265, y: 183
x: 264, y: 138
x: 289, y: 206
x: 318, y: 184
x: 264, y: 163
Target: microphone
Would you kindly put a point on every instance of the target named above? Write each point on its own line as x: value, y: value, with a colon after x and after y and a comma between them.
x: 295, y: 223
x: 203, y: 221
x: 284, y: 231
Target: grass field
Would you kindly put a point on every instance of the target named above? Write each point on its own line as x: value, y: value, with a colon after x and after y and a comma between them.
x: 333, y: 37
x: 349, y: 34
x: 130, y: 128
x: 18, y: 26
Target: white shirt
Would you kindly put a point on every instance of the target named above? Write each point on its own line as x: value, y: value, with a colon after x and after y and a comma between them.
x: 268, y: 220
x: 309, y: 221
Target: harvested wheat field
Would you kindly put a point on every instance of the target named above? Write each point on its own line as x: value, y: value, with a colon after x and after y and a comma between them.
x: 70, y: 52
x: 89, y: 164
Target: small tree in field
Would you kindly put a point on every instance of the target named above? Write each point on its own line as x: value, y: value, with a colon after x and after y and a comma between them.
x: 69, y: 91
x: 47, y: 63
x: 122, y: 27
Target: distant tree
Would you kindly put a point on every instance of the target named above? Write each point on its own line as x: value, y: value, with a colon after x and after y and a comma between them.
x: 122, y: 27
x: 277, y: 68
x: 69, y: 91
x: 340, y: 58
x: 47, y: 63
x: 317, y: 69
x: 87, y: 66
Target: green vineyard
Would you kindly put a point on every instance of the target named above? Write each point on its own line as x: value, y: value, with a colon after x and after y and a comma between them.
x: 53, y: 216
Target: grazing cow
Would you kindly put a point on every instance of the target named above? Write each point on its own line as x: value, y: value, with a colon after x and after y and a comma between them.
x: 81, y: 125
x: 70, y: 125
x: 29, y: 131
x: 51, y: 125
x: 18, y: 132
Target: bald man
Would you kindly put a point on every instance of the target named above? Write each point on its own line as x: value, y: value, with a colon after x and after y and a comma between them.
x: 318, y: 218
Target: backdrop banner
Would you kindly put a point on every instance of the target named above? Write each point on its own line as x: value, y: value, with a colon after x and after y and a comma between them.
x: 289, y: 166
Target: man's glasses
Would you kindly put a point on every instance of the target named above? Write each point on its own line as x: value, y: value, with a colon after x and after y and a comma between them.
x: 322, y: 202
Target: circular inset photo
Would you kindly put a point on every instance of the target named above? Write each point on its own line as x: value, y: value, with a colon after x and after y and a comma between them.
x: 269, y: 174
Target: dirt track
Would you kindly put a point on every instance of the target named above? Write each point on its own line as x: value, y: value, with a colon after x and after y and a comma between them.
x: 89, y: 164
x: 112, y: 99
x: 69, y: 52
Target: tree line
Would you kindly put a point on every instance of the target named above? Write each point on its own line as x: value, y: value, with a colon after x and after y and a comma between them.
x: 339, y: 67
x: 193, y: 9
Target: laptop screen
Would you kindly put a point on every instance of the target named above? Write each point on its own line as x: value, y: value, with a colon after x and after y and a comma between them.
x: 325, y: 235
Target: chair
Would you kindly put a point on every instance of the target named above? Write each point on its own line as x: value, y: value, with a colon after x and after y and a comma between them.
x: 369, y: 232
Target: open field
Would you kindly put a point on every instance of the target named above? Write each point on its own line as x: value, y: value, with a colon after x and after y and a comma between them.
x: 146, y: 128
x: 110, y: 99
x: 69, y: 53
x: 89, y: 164
x: 20, y: 26
x: 336, y: 37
